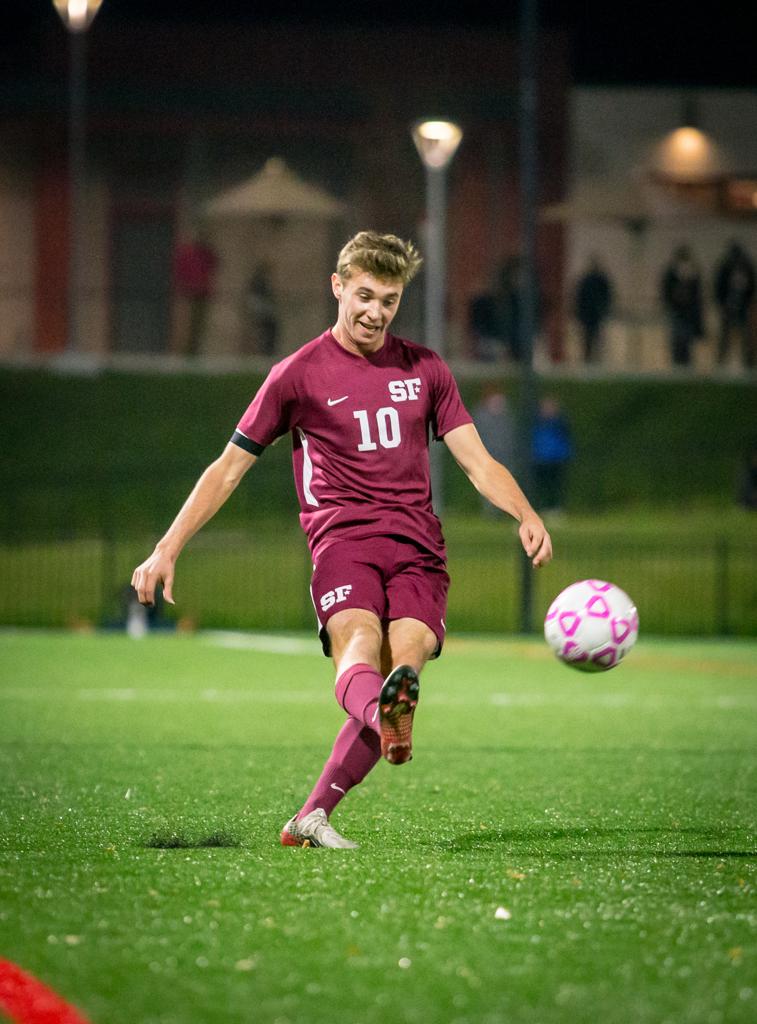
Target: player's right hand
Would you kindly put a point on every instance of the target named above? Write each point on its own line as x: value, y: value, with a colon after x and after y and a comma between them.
x: 157, y: 569
x: 535, y: 540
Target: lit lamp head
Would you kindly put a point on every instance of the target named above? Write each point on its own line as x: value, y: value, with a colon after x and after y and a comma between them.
x: 77, y: 15
x: 688, y: 155
x: 436, y: 142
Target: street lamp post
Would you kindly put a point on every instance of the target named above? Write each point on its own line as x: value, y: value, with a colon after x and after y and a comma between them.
x: 436, y: 142
x: 528, y: 134
x: 77, y: 16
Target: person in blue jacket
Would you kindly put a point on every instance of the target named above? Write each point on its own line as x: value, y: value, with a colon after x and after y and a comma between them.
x: 552, y: 451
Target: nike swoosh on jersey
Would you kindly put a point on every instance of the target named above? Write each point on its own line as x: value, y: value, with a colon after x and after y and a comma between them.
x: 336, y: 401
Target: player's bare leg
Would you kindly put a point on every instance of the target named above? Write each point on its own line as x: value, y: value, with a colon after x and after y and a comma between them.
x: 407, y: 642
x: 356, y: 637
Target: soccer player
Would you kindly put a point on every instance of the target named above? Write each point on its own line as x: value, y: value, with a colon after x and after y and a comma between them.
x: 359, y: 403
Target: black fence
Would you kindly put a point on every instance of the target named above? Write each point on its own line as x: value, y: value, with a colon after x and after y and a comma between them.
x: 258, y: 578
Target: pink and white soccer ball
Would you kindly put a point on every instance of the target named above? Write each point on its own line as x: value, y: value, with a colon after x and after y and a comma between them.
x: 591, y: 625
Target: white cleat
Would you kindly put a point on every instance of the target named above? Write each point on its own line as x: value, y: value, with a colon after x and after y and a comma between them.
x: 314, y: 830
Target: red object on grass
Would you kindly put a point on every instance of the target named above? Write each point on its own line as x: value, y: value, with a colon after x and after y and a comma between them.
x: 27, y: 1001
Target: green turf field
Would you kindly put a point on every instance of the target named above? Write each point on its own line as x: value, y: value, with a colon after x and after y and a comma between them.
x: 613, y: 817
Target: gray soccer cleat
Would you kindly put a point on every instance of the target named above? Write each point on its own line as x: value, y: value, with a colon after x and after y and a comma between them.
x: 314, y: 830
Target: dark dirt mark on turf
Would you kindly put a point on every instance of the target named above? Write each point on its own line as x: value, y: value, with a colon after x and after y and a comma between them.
x: 174, y: 841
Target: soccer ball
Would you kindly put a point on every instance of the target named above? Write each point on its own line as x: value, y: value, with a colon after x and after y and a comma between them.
x: 591, y: 625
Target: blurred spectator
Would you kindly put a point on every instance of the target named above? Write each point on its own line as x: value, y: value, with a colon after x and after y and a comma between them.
x: 681, y: 292
x: 593, y: 300
x: 495, y: 319
x: 748, y: 489
x: 485, y: 328
x: 512, y: 289
x: 552, y: 451
x: 734, y: 292
x: 194, y: 268
x: 494, y: 423
x: 262, y: 332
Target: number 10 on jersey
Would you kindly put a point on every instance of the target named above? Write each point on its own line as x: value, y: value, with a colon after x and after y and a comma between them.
x: 387, y: 426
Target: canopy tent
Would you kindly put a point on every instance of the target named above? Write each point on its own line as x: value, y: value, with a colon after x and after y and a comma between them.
x: 275, y: 191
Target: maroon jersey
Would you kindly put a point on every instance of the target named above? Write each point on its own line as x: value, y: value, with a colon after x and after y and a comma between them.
x: 360, y: 428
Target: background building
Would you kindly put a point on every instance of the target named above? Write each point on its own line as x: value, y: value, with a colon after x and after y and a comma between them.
x: 177, y: 116
x: 639, y: 187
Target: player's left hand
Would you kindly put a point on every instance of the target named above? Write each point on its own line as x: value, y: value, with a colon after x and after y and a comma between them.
x: 535, y: 540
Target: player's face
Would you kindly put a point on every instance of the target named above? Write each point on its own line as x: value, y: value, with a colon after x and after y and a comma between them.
x: 367, y: 306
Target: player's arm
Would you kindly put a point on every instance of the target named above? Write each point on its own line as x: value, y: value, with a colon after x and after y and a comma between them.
x: 208, y: 495
x: 499, y: 486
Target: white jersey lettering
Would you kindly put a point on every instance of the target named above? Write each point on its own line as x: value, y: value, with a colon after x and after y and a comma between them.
x: 405, y: 390
x: 332, y: 597
x: 387, y: 424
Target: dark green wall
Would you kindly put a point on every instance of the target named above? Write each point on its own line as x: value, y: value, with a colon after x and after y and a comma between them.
x: 82, y: 454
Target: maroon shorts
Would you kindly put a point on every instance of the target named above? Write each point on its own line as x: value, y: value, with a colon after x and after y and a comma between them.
x: 390, y: 576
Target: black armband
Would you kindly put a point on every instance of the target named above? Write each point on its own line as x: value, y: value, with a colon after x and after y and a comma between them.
x: 244, y: 442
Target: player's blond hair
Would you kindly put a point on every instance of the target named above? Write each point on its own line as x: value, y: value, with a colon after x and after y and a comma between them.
x: 387, y: 257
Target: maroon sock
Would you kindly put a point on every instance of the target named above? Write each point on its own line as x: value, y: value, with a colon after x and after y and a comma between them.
x: 356, y: 751
x: 357, y: 690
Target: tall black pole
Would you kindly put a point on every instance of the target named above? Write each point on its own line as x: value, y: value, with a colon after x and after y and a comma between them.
x: 528, y: 139
x: 77, y: 185
x: 435, y: 291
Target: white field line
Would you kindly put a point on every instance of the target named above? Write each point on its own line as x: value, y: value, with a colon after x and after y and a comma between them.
x: 269, y: 643
x: 319, y: 695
